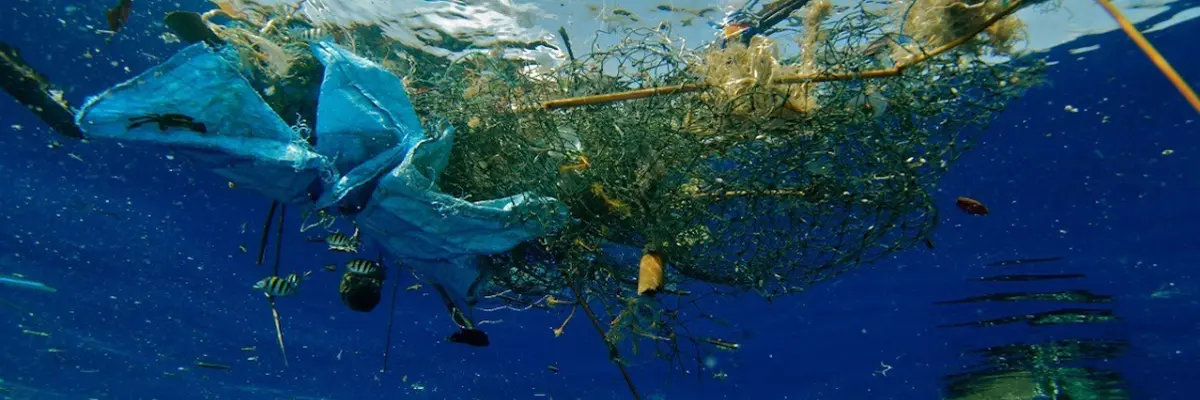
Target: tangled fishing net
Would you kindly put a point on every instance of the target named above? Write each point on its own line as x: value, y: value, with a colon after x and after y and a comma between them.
x: 763, y: 165
x: 744, y: 184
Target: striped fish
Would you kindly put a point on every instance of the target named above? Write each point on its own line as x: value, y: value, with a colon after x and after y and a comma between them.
x: 341, y: 242
x: 281, y: 287
x: 364, y: 267
x: 309, y: 34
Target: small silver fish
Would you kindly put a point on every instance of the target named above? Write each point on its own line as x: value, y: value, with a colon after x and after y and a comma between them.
x: 281, y: 287
x: 365, y: 267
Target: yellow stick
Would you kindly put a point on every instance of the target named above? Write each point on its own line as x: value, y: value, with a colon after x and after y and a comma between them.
x: 278, y: 329
x: 1153, y: 54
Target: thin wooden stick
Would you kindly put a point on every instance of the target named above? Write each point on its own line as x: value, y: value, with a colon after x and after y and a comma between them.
x: 613, y: 353
x: 262, y: 251
x: 1153, y: 54
x: 278, y: 329
x: 279, y: 238
x: 387, y: 343
x: 623, y: 96
x: 803, y: 78
x: 266, y: 232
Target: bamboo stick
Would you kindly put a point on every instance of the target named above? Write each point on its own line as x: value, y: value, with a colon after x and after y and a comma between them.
x: 1153, y: 54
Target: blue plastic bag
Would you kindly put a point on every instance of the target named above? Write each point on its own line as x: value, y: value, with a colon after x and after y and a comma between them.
x: 373, y: 160
x: 365, y: 122
x: 441, y: 235
x: 239, y: 137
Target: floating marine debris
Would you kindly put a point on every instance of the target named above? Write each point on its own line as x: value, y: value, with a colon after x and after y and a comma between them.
x: 1073, y: 296
x: 971, y: 206
x: 650, y: 274
x: 1029, y: 277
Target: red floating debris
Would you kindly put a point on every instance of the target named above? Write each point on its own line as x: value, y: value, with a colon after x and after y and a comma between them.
x: 971, y: 206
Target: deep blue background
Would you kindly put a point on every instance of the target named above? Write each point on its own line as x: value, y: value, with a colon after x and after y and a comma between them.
x: 144, y: 252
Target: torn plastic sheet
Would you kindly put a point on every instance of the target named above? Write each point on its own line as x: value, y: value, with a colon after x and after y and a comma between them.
x: 198, y: 104
x: 365, y: 122
x: 373, y: 159
x: 440, y: 235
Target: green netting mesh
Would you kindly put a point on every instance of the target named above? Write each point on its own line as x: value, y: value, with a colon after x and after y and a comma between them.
x: 738, y: 180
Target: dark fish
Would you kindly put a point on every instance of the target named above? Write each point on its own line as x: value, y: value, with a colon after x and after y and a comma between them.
x: 1064, y: 316
x: 971, y: 206
x: 210, y: 365
x: 360, y: 293
x: 165, y: 121
x: 929, y: 243
x: 1074, y: 296
x: 467, y: 333
x: 471, y: 337
x: 1006, y: 263
x: 190, y: 27
x: 552, y: 368
x: 331, y: 267
x: 118, y: 15
x: 1029, y: 277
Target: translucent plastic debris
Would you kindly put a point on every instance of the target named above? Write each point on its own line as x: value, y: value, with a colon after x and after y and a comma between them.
x: 198, y: 103
x: 439, y: 234
x: 372, y: 161
x: 365, y: 122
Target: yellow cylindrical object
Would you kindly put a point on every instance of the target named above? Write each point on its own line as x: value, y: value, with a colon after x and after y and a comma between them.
x: 650, y: 274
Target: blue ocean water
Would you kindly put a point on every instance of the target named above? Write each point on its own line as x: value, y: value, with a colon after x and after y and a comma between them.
x: 144, y: 253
